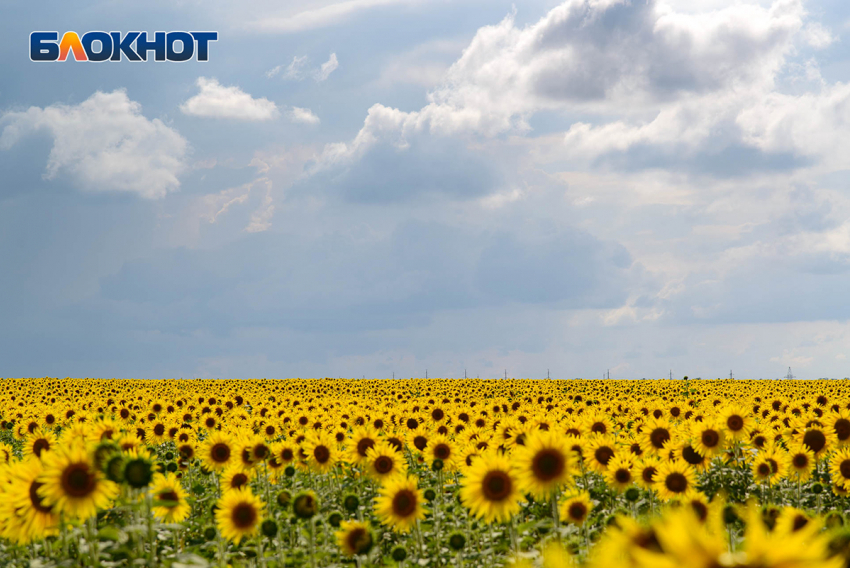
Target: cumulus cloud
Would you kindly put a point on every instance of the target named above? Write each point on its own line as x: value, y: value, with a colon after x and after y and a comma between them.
x: 217, y: 101
x: 629, y: 59
x: 326, y: 69
x: 302, y: 115
x: 105, y: 144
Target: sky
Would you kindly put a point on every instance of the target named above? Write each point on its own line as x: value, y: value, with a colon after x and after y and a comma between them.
x: 399, y: 187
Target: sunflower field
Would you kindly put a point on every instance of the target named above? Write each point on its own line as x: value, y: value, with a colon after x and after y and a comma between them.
x: 436, y: 472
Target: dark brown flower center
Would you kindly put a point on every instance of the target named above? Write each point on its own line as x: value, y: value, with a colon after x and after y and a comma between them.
x: 36, y: 500
x: 658, y: 437
x: 169, y: 495
x: 815, y: 440
x: 358, y: 540
x: 763, y: 469
x: 735, y: 423
x: 691, y: 456
x: 603, y: 454
x: 774, y: 465
x: 442, y: 451
x: 800, y: 460
x: 220, y: 452
x: 363, y: 446
x: 321, y: 454
x: 239, y: 480
x: 710, y: 438
x: 844, y: 468
x: 383, y: 465
x: 261, y: 451
x: 404, y: 503
x: 577, y: 511
x: 159, y: 429
x: 244, y: 516
x: 648, y: 474
x: 548, y: 464
x: 622, y: 475
x: 39, y: 446
x: 496, y: 486
x: 676, y: 482
x: 286, y: 455
x: 420, y: 442
x: 77, y: 481
x: 842, y: 429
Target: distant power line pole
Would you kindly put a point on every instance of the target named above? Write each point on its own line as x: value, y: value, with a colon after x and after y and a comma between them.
x: 731, y: 376
x: 789, y: 376
x: 671, y: 374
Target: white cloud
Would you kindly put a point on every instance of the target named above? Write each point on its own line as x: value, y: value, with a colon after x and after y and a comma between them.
x: 669, y: 76
x: 217, y: 101
x: 326, y: 69
x: 294, y: 71
x: 261, y: 219
x: 817, y: 35
x: 105, y: 144
x: 303, y: 115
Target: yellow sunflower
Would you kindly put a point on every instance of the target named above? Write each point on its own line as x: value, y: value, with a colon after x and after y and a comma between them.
x: 576, y: 508
x: 619, y: 473
x: 839, y: 467
x: 235, y: 477
x: 321, y: 450
x: 490, y: 488
x: 440, y: 447
x: 169, y: 505
x: 70, y: 484
x: 383, y: 460
x: 216, y: 452
x: 544, y: 463
x: 399, y: 503
x: 674, y: 480
x: 35, y: 518
x: 239, y: 514
x: 355, y: 538
x: 38, y: 442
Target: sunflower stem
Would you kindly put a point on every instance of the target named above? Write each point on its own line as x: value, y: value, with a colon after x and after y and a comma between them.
x: 555, y: 516
x: 151, y: 536
x: 91, y: 536
x: 586, y: 540
x: 311, y: 526
x: 64, y: 528
x: 260, y: 552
